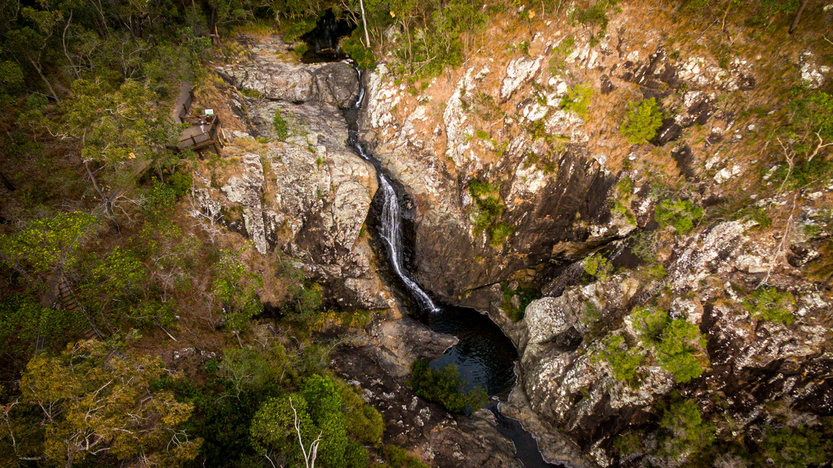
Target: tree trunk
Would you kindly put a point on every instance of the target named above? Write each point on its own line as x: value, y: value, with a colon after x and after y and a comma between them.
x: 40, y: 73
x: 108, y: 205
x: 794, y: 26
x: 215, y: 37
x: 364, y: 22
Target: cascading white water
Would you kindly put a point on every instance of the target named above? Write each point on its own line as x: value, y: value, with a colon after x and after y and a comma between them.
x: 391, y: 224
x: 391, y: 234
x: 485, y: 355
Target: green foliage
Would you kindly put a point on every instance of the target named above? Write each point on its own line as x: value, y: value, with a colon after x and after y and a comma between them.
x: 49, y: 242
x: 90, y: 393
x: 120, y: 126
x: 805, y: 173
x: 576, y: 100
x: 364, y: 57
x: 304, y: 297
x: 686, y: 431
x: 433, y: 33
x: 397, y: 457
x: 252, y: 93
x: 595, y: 15
x: 318, y: 410
x: 499, y: 232
x: 628, y: 444
x: 678, y: 350
x: 273, y: 426
x: 526, y: 293
x: 768, y: 304
x: 23, y: 321
x: 301, y: 49
x: 642, y: 121
x: 623, y: 360
x: 364, y: 422
x: 280, y: 126
x: 796, y: 448
x: 235, y: 289
x: 682, y: 214
x: 445, y: 386
x: 490, y: 206
x: 677, y: 345
x: 11, y: 76
x: 597, y: 265
x: 559, y: 54
x: 644, y: 247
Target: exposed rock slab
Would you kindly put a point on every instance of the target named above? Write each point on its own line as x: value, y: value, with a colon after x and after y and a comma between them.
x: 425, y: 429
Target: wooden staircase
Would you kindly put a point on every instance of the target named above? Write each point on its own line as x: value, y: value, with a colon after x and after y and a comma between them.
x: 67, y: 301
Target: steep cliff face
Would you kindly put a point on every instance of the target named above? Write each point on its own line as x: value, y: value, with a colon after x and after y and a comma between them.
x: 434, y: 157
x: 520, y: 171
x: 301, y: 191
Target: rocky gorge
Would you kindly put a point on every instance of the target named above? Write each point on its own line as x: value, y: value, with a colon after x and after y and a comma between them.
x: 505, y: 130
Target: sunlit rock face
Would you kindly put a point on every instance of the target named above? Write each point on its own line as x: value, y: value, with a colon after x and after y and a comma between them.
x: 305, y: 193
x: 568, y: 184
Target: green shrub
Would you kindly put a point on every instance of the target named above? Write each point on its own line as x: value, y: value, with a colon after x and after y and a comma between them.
x: 677, y: 352
x: 643, y: 247
x: 363, y: 56
x: 680, y: 213
x: 623, y: 360
x: 499, y: 232
x: 576, y: 100
x: 181, y: 183
x: 397, y: 457
x: 364, y: 422
x: 596, y: 14
x: 559, y: 54
x: 628, y: 443
x: 642, y: 121
x: 597, y: 265
x: 685, y: 430
x: 489, y: 207
x: 525, y: 292
x: 676, y: 344
x: 280, y: 125
x: 796, y: 448
x: 445, y: 386
x: 301, y: 49
x: 252, y: 93
x: 770, y: 305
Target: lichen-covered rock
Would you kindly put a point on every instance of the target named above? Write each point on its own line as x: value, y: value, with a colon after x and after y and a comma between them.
x: 307, y: 195
x: 272, y: 78
x: 400, y: 343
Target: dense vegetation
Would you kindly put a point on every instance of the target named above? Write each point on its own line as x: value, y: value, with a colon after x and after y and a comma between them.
x: 94, y: 193
x: 445, y: 386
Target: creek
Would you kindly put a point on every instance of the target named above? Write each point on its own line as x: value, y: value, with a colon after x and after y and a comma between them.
x: 484, y: 355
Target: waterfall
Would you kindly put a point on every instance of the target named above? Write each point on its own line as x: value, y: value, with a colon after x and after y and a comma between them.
x: 391, y: 219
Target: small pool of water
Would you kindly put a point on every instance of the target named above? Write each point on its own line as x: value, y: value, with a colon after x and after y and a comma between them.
x: 484, y: 356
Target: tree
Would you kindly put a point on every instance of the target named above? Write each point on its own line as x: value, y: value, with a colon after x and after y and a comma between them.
x: 122, y: 132
x: 236, y: 290
x: 48, y: 243
x: 95, y: 400
x: 642, y: 121
x: 310, y: 425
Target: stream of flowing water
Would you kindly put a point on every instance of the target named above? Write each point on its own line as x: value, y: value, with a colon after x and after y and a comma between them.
x: 484, y: 356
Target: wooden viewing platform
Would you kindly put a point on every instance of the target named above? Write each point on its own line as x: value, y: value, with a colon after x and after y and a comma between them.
x: 203, y: 132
